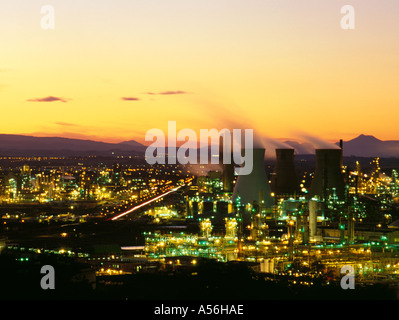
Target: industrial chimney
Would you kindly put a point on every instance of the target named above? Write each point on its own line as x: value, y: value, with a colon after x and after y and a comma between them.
x: 328, y: 174
x: 255, y: 186
x: 284, y: 180
x: 228, y: 177
x: 227, y: 166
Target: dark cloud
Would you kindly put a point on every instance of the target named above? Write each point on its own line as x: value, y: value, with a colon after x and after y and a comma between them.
x: 130, y: 99
x: 47, y: 99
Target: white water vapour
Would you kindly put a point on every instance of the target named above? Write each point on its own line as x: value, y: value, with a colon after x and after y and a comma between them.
x: 317, y: 142
x: 230, y: 118
x: 272, y: 144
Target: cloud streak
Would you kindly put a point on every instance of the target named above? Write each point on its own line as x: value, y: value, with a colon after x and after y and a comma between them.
x: 48, y: 99
x: 66, y: 124
x: 173, y: 92
x: 130, y: 99
x: 170, y: 92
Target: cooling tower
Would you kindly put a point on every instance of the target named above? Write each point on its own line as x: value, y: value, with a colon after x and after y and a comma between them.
x: 254, y: 186
x: 284, y: 179
x: 328, y: 174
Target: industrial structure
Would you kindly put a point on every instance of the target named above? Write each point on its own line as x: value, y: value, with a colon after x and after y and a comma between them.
x: 328, y: 177
x: 282, y: 218
x: 227, y: 165
x: 284, y: 180
x: 254, y: 187
x: 277, y: 217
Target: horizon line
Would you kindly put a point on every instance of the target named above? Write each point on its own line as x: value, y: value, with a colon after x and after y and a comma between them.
x: 144, y: 143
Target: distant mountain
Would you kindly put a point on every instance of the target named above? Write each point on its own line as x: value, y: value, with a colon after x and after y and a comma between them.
x: 131, y: 143
x: 21, y: 145
x: 361, y: 146
x: 370, y: 146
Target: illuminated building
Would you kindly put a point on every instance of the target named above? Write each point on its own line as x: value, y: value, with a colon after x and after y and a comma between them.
x: 206, y: 228
x: 291, y: 236
x: 12, y: 188
x: 231, y: 228
x: 376, y: 169
x: 26, y: 173
x: 179, y: 244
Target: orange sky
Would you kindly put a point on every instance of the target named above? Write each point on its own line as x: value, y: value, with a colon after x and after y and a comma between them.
x: 114, y: 69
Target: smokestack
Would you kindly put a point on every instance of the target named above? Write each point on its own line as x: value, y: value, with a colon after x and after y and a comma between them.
x: 228, y: 177
x: 284, y: 179
x: 255, y: 186
x: 227, y: 169
x: 328, y: 174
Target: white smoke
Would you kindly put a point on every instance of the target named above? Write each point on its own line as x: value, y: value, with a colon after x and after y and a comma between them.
x: 317, y: 142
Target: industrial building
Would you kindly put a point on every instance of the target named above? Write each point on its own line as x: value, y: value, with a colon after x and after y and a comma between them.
x: 254, y: 187
x: 271, y: 220
x: 284, y: 180
x: 328, y: 177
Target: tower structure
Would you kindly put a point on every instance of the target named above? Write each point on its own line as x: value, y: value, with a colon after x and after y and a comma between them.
x: 254, y: 187
x: 227, y: 165
x: 284, y: 180
x: 328, y: 177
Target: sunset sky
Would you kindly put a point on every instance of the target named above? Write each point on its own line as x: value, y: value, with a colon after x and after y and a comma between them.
x: 111, y: 70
